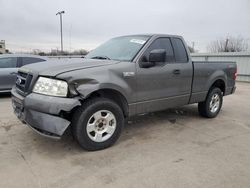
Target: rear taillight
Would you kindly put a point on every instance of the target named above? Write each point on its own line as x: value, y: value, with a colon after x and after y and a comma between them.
x: 235, y: 73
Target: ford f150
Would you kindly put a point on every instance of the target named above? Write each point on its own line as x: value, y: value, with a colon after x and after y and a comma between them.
x: 123, y: 77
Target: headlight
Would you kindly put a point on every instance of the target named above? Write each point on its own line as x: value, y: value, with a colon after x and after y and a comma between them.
x: 53, y: 87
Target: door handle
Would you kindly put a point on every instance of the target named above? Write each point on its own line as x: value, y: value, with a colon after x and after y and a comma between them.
x: 13, y: 73
x: 177, y: 71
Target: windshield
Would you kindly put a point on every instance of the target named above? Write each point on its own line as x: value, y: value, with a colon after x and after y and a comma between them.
x: 120, y: 48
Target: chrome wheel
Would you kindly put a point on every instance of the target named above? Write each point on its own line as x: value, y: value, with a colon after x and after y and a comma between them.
x: 101, y: 126
x: 214, y: 103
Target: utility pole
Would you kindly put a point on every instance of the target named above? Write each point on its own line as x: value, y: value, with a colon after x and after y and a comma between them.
x: 60, y: 13
x: 226, y: 45
x: 193, y: 46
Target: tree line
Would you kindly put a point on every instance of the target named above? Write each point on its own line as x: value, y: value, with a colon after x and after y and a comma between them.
x: 226, y: 44
x: 57, y: 52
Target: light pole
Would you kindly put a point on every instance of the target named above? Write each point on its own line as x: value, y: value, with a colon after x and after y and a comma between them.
x: 60, y: 13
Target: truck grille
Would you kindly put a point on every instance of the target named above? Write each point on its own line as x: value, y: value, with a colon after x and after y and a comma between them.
x: 23, y: 82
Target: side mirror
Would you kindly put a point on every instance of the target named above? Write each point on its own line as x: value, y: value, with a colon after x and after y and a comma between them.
x: 146, y: 64
x: 157, y: 55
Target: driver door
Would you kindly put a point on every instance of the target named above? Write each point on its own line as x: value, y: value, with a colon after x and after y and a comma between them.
x: 160, y: 86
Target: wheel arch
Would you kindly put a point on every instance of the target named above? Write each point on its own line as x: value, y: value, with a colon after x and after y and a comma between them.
x: 220, y: 83
x: 113, y: 95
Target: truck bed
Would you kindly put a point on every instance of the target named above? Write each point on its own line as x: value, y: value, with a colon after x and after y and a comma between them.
x: 205, y: 73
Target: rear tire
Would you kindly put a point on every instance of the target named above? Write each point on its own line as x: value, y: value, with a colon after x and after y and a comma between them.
x: 97, y: 124
x: 212, y: 105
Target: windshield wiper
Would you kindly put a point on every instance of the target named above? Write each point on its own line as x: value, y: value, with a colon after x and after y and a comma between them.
x: 100, y: 57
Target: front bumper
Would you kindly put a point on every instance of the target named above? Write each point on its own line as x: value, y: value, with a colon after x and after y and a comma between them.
x: 42, y: 113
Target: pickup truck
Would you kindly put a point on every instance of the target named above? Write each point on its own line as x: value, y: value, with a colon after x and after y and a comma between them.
x: 123, y: 77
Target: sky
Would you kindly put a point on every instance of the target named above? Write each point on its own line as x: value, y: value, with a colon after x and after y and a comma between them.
x: 32, y: 24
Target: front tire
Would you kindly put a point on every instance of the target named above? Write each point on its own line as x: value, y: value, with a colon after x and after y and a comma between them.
x: 97, y: 124
x: 212, y: 105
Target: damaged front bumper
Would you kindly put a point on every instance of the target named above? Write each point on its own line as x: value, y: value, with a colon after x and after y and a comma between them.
x: 43, y: 113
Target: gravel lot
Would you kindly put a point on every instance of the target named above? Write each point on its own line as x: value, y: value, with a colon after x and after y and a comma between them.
x: 173, y: 148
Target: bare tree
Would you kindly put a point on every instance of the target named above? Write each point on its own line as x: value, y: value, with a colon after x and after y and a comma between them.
x: 80, y: 52
x: 191, y: 49
x: 228, y: 44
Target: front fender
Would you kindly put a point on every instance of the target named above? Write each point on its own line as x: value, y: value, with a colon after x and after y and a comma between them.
x: 87, y: 88
x: 87, y: 81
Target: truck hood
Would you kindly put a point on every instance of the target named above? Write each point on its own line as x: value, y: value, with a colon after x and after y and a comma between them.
x: 56, y: 67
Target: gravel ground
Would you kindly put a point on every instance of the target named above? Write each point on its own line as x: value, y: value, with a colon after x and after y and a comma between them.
x: 172, y: 148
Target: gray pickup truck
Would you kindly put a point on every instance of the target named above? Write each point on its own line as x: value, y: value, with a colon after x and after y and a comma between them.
x: 123, y: 77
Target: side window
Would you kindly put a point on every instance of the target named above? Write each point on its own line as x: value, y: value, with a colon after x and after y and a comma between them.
x: 179, y: 51
x: 160, y: 43
x: 29, y: 60
x: 8, y: 62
